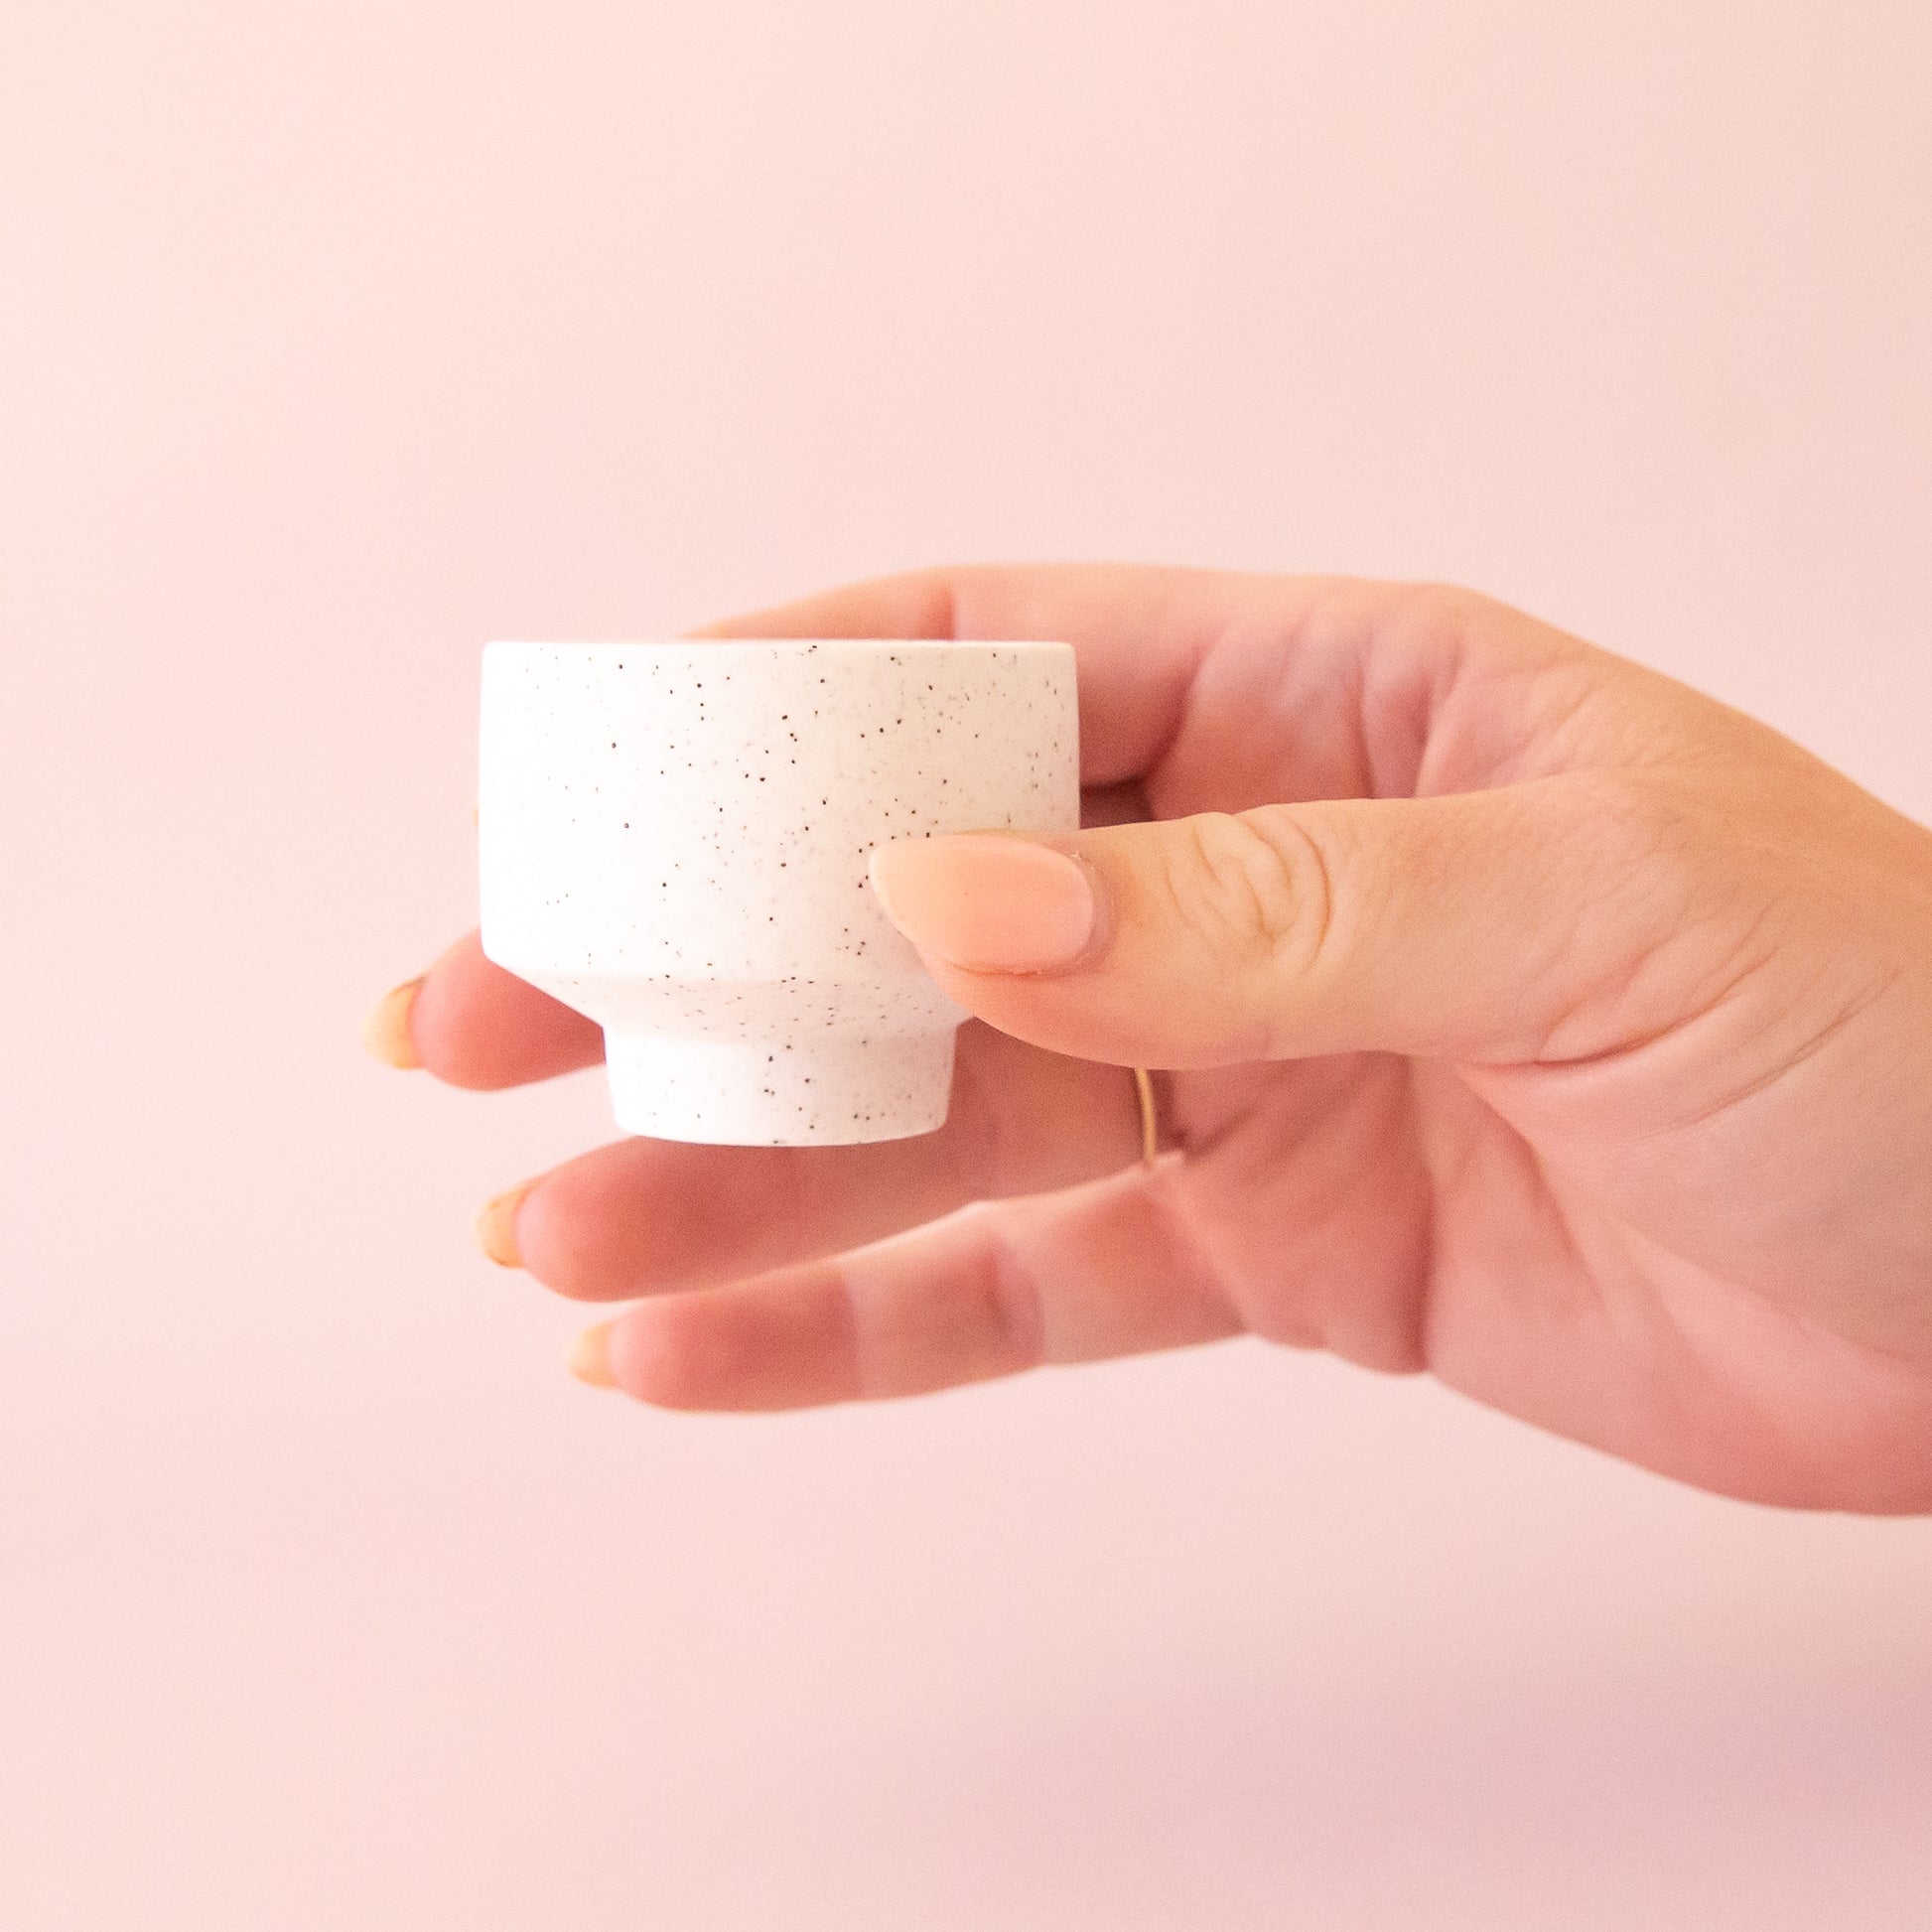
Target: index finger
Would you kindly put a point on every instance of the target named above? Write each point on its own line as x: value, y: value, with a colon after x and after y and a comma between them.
x: 1140, y: 632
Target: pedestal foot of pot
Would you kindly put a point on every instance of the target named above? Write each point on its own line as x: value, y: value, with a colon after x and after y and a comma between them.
x: 828, y: 1089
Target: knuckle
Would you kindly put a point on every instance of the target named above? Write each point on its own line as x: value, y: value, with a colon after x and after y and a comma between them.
x: 1449, y: 613
x: 1008, y: 1307
x: 1253, y: 887
x: 1452, y: 605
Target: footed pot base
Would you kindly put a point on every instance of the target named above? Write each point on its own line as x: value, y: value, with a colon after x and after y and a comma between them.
x: 829, y: 1090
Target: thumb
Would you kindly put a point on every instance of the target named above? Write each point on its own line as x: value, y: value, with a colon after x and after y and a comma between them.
x: 1497, y: 925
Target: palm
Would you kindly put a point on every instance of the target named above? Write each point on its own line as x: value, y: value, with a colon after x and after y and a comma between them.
x: 1334, y: 1228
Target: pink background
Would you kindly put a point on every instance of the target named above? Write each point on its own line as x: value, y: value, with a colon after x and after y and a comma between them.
x: 336, y: 338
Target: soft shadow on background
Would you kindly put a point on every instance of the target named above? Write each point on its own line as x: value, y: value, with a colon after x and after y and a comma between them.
x: 334, y: 340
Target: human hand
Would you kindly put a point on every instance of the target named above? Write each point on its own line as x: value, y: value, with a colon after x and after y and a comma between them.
x: 1528, y: 1018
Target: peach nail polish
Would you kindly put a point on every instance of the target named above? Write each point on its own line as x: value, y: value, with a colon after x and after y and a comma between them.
x: 987, y: 903
x: 385, y: 1032
x: 495, y: 1228
x: 589, y: 1358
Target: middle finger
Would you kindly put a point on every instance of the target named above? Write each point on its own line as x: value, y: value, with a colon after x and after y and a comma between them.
x: 644, y: 1216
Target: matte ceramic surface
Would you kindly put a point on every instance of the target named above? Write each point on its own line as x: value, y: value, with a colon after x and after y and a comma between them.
x: 674, y: 840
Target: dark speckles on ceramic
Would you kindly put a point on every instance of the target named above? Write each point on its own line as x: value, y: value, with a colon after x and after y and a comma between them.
x: 674, y: 840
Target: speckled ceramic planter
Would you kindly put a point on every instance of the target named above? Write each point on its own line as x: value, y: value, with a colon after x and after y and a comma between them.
x: 674, y: 840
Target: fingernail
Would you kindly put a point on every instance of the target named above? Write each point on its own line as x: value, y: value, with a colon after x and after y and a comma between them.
x: 385, y: 1032
x: 589, y: 1358
x: 989, y: 903
x: 495, y: 1227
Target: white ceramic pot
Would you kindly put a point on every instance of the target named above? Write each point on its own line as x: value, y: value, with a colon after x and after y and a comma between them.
x: 674, y: 840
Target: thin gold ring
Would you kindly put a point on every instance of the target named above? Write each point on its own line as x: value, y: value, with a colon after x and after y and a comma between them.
x: 1150, y: 1118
